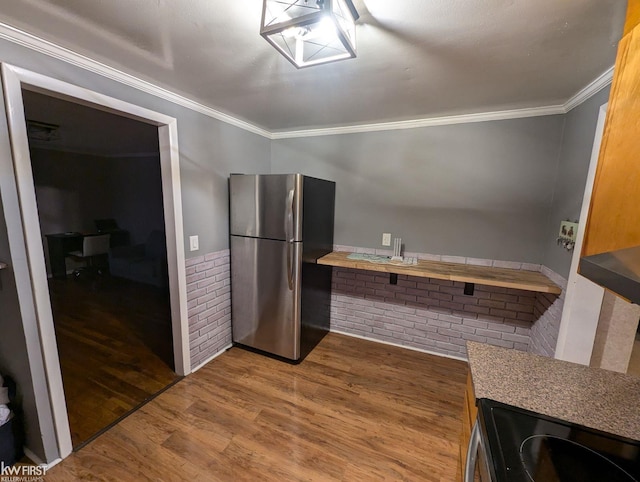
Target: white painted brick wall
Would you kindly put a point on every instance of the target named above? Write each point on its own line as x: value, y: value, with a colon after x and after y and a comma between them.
x: 423, y: 313
x: 435, y: 315
x: 429, y: 314
x: 547, y: 313
x: 209, y: 305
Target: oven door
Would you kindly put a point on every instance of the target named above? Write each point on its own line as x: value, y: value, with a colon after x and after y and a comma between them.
x: 476, y: 466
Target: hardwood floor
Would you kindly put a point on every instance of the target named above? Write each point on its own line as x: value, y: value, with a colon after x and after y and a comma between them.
x: 352, y: 410
x: 115, y: 348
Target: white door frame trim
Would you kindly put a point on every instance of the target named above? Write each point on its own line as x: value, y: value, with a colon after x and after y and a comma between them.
x: 14, y: 80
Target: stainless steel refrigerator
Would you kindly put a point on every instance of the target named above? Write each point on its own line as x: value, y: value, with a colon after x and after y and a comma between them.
x: 279, y: 226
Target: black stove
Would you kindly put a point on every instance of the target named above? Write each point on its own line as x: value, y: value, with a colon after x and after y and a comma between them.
x: 523, y: 446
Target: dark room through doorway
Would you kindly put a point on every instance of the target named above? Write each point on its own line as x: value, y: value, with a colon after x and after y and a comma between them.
x: 98, y: 186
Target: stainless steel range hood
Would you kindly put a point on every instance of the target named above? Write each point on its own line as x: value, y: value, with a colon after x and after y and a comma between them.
x: 618, y: 271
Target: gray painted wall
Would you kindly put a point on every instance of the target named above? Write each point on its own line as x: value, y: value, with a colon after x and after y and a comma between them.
x: 14, y: 360
x: 477, y: 190
x: 575, y: 155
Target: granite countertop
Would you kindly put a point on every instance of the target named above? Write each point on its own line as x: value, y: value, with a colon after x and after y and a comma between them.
x: 596, y: 398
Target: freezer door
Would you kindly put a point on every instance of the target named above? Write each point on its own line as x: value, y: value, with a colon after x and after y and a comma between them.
x: 266, y: 206
x: 265, y: 295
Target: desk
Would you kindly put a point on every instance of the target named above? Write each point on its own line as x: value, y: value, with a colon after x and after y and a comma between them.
x: 465, y: 273
x: 60, y: 245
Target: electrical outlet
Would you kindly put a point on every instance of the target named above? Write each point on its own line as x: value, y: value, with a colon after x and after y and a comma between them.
x: 386, y: 239
x: 193, y: 243
x: 568, y: 231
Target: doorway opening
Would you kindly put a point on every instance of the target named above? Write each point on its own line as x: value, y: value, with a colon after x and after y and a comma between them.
x: 98, y: 186
x: 27, y: 248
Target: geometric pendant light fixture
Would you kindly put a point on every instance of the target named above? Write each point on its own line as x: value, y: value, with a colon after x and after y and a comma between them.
x: 310, y: 32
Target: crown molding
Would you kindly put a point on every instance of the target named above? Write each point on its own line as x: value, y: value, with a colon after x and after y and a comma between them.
x: 583, y: 95
x: 429, y: 122
x: 38, y: 44
x: 590, y: 90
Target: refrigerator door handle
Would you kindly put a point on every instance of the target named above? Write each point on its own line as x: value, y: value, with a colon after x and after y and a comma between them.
x: 288, y: 219
x: 290, y: 265
x: 288, y: 229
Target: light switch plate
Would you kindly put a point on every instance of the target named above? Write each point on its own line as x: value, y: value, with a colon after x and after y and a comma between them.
x: 193, y: 243
x: 386, y: 239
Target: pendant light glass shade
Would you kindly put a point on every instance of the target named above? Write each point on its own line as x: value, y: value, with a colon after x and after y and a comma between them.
x: 310, y: 32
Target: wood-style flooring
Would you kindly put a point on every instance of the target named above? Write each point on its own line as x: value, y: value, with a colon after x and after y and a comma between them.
x: 352, y: 410
x: 115, y: 348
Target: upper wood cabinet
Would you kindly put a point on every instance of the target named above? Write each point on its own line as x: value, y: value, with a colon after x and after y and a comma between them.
x: 614, y: 216
x: 633, y: 16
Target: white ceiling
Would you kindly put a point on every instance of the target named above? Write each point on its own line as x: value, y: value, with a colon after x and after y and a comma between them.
x: 416, y: 58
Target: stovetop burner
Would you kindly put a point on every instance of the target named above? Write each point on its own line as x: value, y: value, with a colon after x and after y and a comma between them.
x: 523, y: 446
x: 555, y: 459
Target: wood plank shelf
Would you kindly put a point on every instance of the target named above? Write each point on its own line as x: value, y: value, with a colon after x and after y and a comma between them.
x: 465, y: 273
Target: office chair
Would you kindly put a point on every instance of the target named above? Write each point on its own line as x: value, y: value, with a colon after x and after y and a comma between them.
x: 92, y: 247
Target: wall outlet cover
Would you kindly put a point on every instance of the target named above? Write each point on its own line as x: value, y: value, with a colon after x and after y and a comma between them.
x: 568, y: 231
x: 386, y: 239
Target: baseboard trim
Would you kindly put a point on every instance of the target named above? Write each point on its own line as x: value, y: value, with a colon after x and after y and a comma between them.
x: 36, y: 460
x: 193, y: 370
x: 428, y: 352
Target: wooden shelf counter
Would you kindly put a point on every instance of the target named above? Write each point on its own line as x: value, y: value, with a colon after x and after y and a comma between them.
x: 465, y: 273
